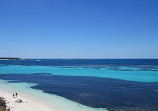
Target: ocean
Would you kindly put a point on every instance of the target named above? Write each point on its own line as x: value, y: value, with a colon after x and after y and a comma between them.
x: 92, y: 84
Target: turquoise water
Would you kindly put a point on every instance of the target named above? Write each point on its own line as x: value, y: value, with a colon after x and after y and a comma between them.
x: 86, y: 85
x: 134, y: 75
x: 56, y: 102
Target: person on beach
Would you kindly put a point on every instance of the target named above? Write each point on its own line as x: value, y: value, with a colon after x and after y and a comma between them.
x: 13, y: 95
x: 16, y: 94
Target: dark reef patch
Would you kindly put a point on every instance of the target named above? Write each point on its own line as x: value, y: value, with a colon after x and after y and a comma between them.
x: 113, y: 94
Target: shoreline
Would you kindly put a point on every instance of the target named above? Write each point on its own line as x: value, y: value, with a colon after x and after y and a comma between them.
x: 37, y: 100
x: 27, y: 104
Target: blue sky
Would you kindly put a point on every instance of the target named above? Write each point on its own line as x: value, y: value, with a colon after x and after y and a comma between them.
x: 79, y: 28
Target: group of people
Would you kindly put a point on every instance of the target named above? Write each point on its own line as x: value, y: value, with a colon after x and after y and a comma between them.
x: 15, y: 95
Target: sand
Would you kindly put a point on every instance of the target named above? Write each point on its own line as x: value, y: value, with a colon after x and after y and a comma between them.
x: 27, y: 104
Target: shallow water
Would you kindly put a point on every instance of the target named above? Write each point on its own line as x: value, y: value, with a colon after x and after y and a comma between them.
x: 105, y: 72
x: 56, y: 102
x: 127, y: 85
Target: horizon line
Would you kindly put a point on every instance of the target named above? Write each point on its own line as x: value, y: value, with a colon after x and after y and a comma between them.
x: 75, y: 58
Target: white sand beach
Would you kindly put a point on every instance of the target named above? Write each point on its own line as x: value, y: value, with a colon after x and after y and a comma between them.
x: 27, y: 103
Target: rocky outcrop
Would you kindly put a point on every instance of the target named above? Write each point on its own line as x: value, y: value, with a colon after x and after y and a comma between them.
x: 2, y: 104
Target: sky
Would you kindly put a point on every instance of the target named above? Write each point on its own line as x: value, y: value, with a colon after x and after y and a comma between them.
x: 79, y: 28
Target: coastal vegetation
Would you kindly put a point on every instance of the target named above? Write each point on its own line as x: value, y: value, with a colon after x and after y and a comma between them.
x: 2, y: 105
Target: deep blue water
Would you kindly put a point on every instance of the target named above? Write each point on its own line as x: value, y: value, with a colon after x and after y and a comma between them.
x: 113, y: 94
x: 84, y: 62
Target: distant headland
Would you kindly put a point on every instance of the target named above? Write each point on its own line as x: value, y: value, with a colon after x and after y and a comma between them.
x: 12, y: 58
